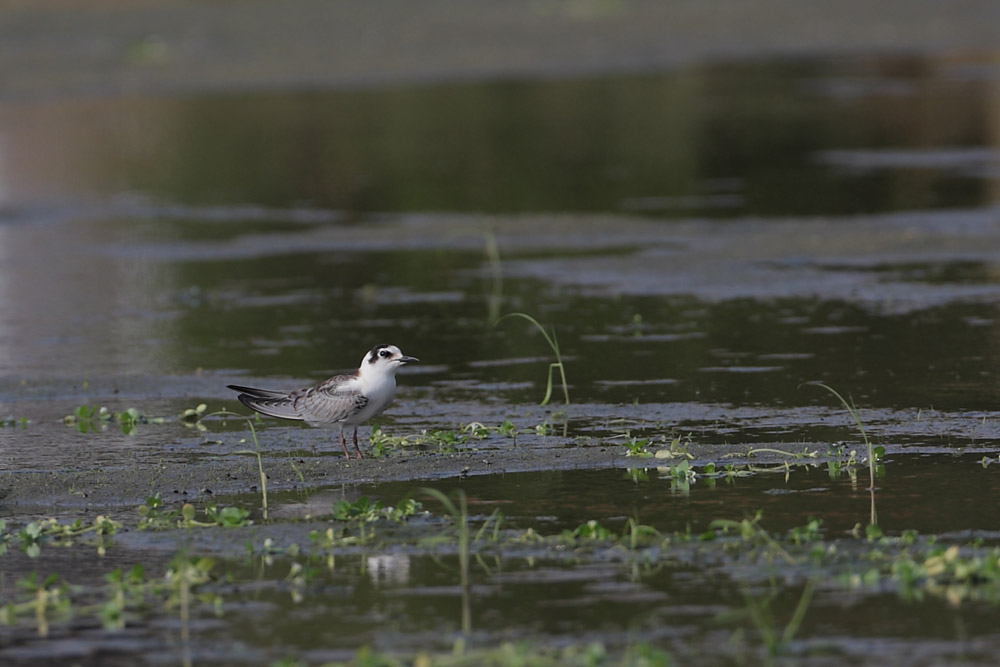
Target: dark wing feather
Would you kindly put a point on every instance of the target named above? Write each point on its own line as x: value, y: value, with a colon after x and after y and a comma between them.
x: 257, y: 393
x: 267, y: 402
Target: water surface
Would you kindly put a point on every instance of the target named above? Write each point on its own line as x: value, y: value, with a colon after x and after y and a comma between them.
x: 702, y: 242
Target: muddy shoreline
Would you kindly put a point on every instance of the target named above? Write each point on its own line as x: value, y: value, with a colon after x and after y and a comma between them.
x: 108, y: 491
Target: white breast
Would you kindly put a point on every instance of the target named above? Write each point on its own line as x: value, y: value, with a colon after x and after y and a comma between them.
x: 380, y: 391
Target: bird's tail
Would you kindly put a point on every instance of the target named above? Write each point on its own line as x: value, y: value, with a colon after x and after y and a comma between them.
x: 267, y: 402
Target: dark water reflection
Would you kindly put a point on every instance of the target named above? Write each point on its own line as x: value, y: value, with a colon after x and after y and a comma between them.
x: 929, y: 493
x: 829, y: 137
x: 689, y: 597
x: 681, y: 601
x: 147, y: 287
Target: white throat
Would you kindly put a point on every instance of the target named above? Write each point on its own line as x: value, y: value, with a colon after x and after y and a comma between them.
x: 377, y: 378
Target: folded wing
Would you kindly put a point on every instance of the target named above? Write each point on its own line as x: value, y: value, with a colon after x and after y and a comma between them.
x: 268, y: 402
x: 332, y: 401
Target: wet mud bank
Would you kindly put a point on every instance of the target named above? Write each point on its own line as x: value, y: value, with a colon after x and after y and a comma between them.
x: 111, y: 490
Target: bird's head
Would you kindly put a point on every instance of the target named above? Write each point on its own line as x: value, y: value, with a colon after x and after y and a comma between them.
x: 384, y: 358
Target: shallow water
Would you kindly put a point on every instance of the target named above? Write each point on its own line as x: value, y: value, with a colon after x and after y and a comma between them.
x: 399, y: 591
x: 703, y: 243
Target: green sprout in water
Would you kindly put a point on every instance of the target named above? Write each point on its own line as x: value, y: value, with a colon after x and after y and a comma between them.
x: 777, y: 640
x: 558, y: 364
x: 89, y: 419
x: 255, y: 451
x: 51, y: 531
x: 44, y: 597
x: 874, y: 453
x: 153, y: 516
x: 637, y: 447
x: 192, y: 417
x: 366, y: 510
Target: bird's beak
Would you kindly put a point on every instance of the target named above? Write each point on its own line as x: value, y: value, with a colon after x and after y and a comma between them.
x: 408, y: 360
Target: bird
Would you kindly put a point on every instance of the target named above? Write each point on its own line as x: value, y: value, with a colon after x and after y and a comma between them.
x: 343, y: 400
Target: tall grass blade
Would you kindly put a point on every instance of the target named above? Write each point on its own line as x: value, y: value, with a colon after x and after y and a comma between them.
x: 553, y: 342
x: 255, y: 452
x: 856, y: 416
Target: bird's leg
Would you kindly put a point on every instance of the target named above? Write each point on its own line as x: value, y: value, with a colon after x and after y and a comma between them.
x: 343, y: 443
x: 356, y: 448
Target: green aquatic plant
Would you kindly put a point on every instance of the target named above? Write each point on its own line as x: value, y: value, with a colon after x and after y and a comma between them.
x: 43, y: 601
x: 512, y: 654
x: 752, y: 534
x: 952, y: 573
x: 637, y: 447
x: 731, y: 471
x: 362, y: 509
x: 380, y: 443
x: 677, y: 447
x: 192, y: 417
x: 447, y: 440
x: 806, y: 453
x: 810, y: 532
x: 777, y: 640
x: 253, y: 452
x: 636, y: 534
x: 154, y: 516
x: 326, y: 541
x: 636, y: 325
x: 873, y: 455
x: 180, y: 582
x: 11, y: 422
x: 444, y: 439
x: 88, y: 419
x: 497, y: 520
x: 46, y: 597
x: 476, y: 430
x: 591, y: 530
x: 553, y: 342
x: 366, y: 510
x: 508, y: 429
x: 228, y: 517
x: 6, y: 537
x: 125, y: 588
x: 35, y: 534
x: 681, y: 476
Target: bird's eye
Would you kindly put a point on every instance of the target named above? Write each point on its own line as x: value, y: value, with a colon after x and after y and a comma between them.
x: 384, y: 353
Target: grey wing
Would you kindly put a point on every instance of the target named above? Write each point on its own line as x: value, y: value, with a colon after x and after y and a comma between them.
x: 329, y: 402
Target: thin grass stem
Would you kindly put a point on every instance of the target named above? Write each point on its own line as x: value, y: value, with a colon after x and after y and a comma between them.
x: 856, y: 416
x: 255, y: 452
x: 553, y: 342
